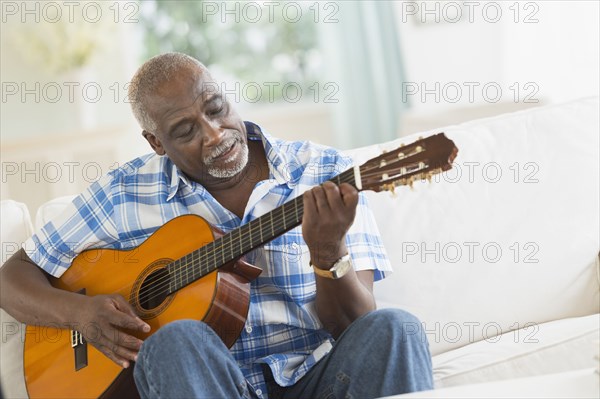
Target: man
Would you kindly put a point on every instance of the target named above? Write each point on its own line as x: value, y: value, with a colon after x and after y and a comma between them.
x: 307, y: 334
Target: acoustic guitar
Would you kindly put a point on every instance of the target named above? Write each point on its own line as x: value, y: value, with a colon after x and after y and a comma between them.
x: 188, y: 270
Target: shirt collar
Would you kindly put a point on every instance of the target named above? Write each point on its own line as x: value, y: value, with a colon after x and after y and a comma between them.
x: 276, y: 159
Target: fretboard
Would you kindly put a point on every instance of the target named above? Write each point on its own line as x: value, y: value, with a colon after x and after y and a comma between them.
x: 236, y: 243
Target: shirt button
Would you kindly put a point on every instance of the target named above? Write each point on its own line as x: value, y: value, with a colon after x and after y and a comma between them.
x: 259, y: 392
x: 248, y: 329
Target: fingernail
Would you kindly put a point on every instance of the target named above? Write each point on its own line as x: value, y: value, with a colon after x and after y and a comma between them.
x: 146, y: 327
x: 125, y: 365
x: 135, y: 358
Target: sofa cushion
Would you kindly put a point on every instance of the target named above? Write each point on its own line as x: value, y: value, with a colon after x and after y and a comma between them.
x: 15, y: 229
x: 508, y: 237
x: 49, y: 210
x: 547, y: 348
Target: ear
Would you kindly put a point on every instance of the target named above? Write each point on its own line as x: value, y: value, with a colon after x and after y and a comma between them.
x: 154, y: 142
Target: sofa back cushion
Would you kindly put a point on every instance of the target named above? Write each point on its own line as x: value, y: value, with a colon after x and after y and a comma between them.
x: 506, y: 238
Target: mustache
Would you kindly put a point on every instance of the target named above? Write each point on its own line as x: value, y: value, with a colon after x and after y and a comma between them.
x: 220, y: 150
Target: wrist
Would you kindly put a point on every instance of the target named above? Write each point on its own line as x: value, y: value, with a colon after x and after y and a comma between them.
x: 339, y: 269
x: 325, y: 256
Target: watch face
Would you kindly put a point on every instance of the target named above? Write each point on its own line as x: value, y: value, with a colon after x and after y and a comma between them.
x: 341, y: 267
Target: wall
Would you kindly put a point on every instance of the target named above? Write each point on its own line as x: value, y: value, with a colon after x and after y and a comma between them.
x: 557, y: 56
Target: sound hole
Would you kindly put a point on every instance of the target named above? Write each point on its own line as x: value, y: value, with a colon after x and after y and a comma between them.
x: 154, y: 289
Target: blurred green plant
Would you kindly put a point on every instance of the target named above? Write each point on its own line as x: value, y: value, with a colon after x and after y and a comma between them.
x: 241, y: 46
x: 60, y: 46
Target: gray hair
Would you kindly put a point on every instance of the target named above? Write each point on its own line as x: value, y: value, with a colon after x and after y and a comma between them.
x: 151, y: 75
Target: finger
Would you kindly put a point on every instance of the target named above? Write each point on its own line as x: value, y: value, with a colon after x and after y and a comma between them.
x: 125, y: 340
x: 310, y: 206
x: 320, y: 199
x: 332, y: 193
x: 124, y: 353
x: 134, y: 322
x: 112, y: 355
x: 349, y: 195
x: 103, y: 343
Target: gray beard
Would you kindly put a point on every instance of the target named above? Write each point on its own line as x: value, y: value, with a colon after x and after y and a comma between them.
x: 237, y: 166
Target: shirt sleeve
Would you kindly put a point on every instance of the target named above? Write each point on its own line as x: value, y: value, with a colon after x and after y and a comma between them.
x: 87, y: 222
x: 364, y: 242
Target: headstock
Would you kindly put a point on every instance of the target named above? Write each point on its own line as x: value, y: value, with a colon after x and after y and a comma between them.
x: 402, y: 166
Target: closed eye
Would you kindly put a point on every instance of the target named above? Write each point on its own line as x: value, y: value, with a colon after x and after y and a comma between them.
x: 184, y: 132
x: 217, y: 110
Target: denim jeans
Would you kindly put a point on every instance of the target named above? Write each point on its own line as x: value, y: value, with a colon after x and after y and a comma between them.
x: 384, y: 352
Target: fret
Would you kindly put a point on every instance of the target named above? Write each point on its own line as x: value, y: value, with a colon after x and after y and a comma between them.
x: 260, y: 229
x: 250, y: 234
x: 222, y: 252
x: 191, y: 269
x: 178, y: 274
x: 240, y: 239
x: 272, y: 229
x: 283, y: 216
x: 230, y: 246
x: 170, y: 272
x: 296, y: 209
x: 187, y: 271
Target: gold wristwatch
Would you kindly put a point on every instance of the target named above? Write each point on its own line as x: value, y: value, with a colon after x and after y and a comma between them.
x: 338, y: 270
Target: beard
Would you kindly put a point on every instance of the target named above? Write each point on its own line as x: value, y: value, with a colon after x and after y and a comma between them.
x: 232, y: 166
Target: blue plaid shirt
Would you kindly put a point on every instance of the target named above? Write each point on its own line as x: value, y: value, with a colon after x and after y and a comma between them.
x: 282, y: 330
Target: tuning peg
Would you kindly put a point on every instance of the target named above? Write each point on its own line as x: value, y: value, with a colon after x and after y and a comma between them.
x: 429, y: 175
x: 400, y: 155
x: 392, y: 189
x: 411, y: 180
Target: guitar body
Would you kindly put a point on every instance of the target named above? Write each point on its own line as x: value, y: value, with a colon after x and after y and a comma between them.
x: 59, y: 364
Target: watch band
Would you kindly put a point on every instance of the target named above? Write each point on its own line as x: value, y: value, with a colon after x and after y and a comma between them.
x: 338, y: 270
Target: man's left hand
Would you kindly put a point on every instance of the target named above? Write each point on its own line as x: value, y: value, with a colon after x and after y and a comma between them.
x: 329, y: 211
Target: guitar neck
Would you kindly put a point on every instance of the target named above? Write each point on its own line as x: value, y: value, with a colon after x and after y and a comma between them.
x: 239, y: 242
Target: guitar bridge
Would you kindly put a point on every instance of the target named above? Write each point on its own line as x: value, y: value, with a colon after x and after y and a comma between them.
x: 79, y: 346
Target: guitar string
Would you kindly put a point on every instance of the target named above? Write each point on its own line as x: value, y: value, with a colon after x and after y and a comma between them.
x: 212, y: 256
x: 345, y: 177
x: 163, y: 283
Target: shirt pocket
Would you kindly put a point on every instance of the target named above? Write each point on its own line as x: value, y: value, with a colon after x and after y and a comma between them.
x: 286, y: 269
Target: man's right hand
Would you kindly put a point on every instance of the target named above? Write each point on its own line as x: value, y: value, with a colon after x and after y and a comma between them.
x: 105, y: 318
x: 106, y: 321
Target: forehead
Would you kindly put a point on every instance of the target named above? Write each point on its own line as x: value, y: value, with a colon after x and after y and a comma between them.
x: 183, y: 89
x: 185, y: 84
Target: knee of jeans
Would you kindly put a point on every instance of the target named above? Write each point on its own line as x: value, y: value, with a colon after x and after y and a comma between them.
x: 398, y: 321
x: 179, y: 334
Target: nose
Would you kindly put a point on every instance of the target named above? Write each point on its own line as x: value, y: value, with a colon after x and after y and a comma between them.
x: 212, y: 133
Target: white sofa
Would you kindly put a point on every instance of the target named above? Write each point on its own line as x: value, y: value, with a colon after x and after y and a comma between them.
x: 498, y: 258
